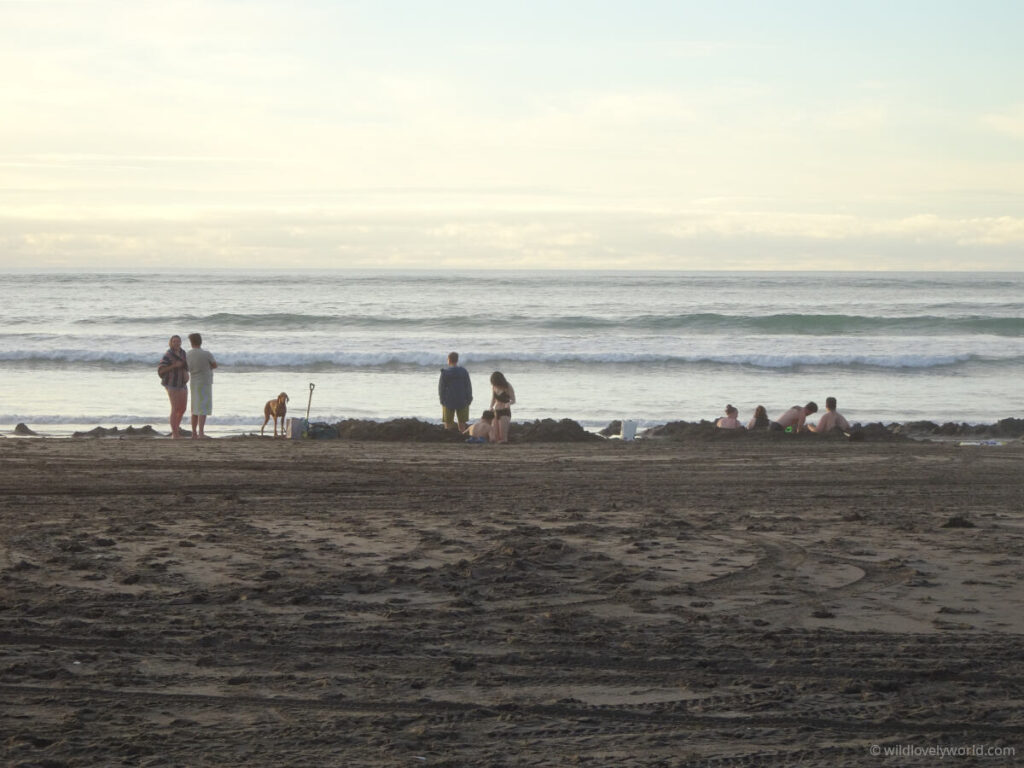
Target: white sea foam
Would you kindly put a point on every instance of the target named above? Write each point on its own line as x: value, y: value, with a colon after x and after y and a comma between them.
x: 343, y: 360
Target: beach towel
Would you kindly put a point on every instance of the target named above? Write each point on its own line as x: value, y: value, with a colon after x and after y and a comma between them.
x: 202, y: 395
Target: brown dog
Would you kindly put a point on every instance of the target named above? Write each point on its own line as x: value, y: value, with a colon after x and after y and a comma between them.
x: 275, y: 409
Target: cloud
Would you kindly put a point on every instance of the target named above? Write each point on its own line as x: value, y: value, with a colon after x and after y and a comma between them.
x: 1008, y: 123
x: 214, y: 131
x: 596, y: 239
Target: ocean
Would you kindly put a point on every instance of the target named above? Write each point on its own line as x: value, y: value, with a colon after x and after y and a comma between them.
x: 80, y: 349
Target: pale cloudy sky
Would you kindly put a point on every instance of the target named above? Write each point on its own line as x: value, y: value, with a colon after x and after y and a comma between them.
x: 571, y: 134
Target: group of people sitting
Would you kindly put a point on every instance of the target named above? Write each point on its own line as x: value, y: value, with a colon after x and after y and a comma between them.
x: 793, y: 420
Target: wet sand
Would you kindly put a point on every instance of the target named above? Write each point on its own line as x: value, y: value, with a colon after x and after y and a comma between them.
x: 284, y: 603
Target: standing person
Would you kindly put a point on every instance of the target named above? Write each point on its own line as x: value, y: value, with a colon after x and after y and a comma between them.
x: 173, y: 370
x: 760, y: 420
x: 502, y: 399
x: 794, y: 418
x: 831, y: 419
x: 455, y: 391
x: 200, y: 367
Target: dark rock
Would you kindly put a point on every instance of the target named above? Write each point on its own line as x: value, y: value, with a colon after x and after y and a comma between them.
x: 21, y: 429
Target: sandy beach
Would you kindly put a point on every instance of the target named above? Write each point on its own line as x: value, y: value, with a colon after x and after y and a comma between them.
x: 334, y: 603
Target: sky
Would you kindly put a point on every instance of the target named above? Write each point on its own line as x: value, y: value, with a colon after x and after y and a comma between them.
x: 558, y: 134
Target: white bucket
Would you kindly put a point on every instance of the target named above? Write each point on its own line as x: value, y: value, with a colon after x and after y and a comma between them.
x: 628, y: 431
x: 295, y: 428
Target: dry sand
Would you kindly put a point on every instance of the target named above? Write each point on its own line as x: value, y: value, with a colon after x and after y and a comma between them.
x: 274, y: 603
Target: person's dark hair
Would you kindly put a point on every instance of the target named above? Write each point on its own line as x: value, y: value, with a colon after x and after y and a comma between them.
x: 196, y: 339
x: 830, y: 403
x: 487, y: 415
x: 760, y: 417
x: 453, y: 357
x: 498, y: 379
x: 730, y: 409
x: 811, y: 407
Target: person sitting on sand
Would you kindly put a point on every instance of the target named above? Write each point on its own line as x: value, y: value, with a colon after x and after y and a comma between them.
x: 481, y: 431
x: 831, y: 419
x: 793, y: 419
x: 730, y: 420
x: 760, y: 420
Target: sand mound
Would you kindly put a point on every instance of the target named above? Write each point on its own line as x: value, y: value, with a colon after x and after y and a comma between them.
x: 397, y: 430
x: 1005, y: 428
x: 550, y: 431
x: 684, y: 431
x: 146, y: 431
x: 416, y: 431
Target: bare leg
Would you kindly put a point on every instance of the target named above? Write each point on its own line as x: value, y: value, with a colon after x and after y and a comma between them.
x: 202, y: 425
x: 195, y: 426
x: 174, y: 408
x: 179, y: 401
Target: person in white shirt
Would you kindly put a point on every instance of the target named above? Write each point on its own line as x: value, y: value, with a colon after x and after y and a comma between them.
x: 200, y: 369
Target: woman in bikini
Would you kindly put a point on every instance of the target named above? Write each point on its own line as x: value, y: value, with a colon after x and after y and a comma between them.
x: 502, y: 398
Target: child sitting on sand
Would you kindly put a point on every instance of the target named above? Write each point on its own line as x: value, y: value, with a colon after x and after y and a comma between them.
x: 481, y: 431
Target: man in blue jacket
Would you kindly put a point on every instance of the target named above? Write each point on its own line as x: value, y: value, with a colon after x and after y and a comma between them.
x: 456, y: 393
